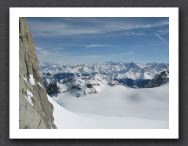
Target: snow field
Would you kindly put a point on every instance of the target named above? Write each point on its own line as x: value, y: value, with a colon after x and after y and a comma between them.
x: 114, y: 107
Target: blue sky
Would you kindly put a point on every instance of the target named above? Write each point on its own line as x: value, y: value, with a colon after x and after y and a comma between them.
x: 96, y: 40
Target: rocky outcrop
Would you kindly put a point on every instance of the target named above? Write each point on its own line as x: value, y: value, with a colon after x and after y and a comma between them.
x: 159, y: 80
x: 35, y: 111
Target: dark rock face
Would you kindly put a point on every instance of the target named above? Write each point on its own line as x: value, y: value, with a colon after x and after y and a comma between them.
x: 159, y: 80
x: 52, y: 88
x: 35, y: 111
x: 139, y: 83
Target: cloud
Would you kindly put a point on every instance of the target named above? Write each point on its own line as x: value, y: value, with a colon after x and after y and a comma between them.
x: 161, y: 38
x: 41, y: 28
x: 131, y: 26
x: 98, y: 45
x: 86, y: 26
x: 96, y: 39
x: 50, y: 56
x: 163, y: 31
x: 47, y: 56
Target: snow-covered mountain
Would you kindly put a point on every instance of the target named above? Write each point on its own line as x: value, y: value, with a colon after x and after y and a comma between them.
x: 111, y: 95
x: 111, y: 69
x: 87, y: 79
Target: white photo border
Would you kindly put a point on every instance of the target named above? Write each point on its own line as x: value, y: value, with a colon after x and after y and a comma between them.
x: 171, y: 133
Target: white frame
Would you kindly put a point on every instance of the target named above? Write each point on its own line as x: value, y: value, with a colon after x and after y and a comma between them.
x: 171, y: 133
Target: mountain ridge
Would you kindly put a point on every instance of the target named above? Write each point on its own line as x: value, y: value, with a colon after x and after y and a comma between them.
x: 89, y: 79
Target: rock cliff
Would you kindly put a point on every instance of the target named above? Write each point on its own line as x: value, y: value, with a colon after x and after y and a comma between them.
x: 35, y: 111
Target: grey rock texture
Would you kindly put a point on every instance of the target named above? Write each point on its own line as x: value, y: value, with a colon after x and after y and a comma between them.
x: 35, y: 111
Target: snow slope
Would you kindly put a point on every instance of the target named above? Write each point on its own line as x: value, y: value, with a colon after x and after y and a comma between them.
x: 114, y: 107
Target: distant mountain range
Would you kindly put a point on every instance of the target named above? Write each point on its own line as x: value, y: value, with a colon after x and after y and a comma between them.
x: 88, y: 79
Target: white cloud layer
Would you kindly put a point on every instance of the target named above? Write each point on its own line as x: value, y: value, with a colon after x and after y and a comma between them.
x: 98, y: 45
x: 47, y: 56
x: 41, y: 28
